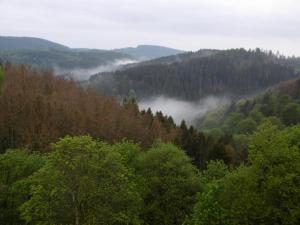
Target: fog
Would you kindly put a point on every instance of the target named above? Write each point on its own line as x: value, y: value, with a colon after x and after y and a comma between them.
x: 183, y: 110
x: 82, y: 74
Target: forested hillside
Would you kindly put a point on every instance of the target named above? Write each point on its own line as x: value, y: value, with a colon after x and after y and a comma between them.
x: 235, y: 73
x: 86, y: 181
x: 43, y: 54
x: 28, y: 43
x: 38, y: 108
x: 159, y: 174
x: 62, y: 59
x: 280, y: 104
x: 146, y: 52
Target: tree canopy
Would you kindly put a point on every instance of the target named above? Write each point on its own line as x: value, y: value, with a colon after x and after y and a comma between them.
x: 82, y: 182
x: 263, y: 191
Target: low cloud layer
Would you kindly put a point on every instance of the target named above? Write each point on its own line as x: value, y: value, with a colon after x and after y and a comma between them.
x: 183, y: 110
x: 188, y: 25
x: 82, y: 74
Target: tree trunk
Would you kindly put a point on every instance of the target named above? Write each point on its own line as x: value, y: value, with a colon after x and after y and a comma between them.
x: 76, y: 210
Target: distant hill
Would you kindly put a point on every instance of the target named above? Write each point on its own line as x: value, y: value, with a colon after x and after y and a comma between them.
x: 191, y: 76
x: 180, y: 58
x: 149, y: 51
x: 63, y: 59
x: 28, y: 43
x: 78, y: 63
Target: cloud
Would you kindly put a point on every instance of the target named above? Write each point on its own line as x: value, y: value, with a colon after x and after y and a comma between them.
x: 189, y: 24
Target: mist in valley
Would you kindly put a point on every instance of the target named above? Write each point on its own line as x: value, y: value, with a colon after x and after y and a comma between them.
x: 183, y: 110
x: 83, y: 74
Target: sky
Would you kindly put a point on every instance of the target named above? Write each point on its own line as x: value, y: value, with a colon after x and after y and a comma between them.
x: 183, y: 24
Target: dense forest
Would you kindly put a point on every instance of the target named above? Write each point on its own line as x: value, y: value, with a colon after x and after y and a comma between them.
x: 280, y: 104
x: 62, y: 59
x: 235, y: 73
x: 70, y: 155
x: 86, y: 181
x: 38, y: 108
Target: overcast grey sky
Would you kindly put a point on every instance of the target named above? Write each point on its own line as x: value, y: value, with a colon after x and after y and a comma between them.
x: 184, y: 24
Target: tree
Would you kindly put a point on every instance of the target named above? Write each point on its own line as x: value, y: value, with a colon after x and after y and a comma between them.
x: 1, y: 79
x: 83, y: 182
x: 291, y: 114
x: 15, y: 167
x: 246, y: 126
x: 231, y: 122
x: 256, y: 115
x: 208, y: 209
x: 217, y: 133
x: 170, y: 184
x: 215, y: 171
x: 39, y: 108
x: 265, y: 191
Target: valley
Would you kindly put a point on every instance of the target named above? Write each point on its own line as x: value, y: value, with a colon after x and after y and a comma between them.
x: 147, y: 135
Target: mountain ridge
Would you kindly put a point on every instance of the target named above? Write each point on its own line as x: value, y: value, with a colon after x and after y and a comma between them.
x: 11, y: 43
x: 146, y: 52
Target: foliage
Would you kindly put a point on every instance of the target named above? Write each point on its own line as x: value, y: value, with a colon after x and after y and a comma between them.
x: 265, y: 191
x: 203, y: 147
x: 83, y: 182
x: 246, y: 126
x: 291, y: 113
x: 170, y: 184
x: 15, y: 167
x: 281, y: 105
x: 37, y: 108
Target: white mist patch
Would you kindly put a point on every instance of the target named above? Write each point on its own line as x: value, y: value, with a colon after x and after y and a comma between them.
x: 82, y: 74
x: 183, y: 110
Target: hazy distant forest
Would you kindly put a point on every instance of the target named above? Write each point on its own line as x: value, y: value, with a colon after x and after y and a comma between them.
x: 84, y: 153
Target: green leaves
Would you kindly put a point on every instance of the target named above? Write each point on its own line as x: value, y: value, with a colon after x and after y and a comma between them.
x: 83, y: 182
x: 16, y: 166
x: 265, y: 191
x: 171, y: 184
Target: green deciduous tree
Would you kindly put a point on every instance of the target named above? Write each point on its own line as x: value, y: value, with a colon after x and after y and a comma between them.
x: 291, y: 113
x: 265, y: 191
x: 246, y: 126
x: 83, y: 182
x: 15, y: 167
x: 170, y: 184
x: 208, y: 210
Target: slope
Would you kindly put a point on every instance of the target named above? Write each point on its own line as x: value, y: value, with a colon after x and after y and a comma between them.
x: 279, y: 104
x: 25, y: 43
x: 191, y: 76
